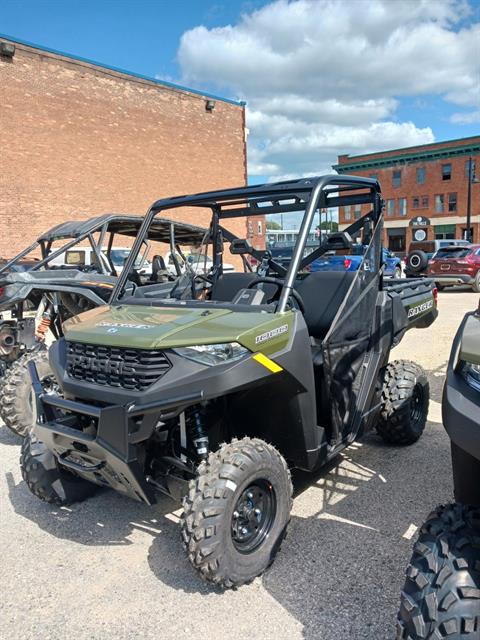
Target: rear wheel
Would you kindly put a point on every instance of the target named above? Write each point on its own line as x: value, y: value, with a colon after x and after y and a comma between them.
x: 405, y: 398
x: 466, y: 476
x: 441, y: 595
x: 16, y: 405
x: 417, y: 261
x: 236, y: 512
x: 48, y: 480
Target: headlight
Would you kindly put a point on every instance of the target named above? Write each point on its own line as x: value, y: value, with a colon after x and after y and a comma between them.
x: 212, y: 354
x: 471, y: 373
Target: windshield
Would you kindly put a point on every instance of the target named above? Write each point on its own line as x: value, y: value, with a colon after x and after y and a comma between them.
x: 119, y: 256
x: 452, y: 253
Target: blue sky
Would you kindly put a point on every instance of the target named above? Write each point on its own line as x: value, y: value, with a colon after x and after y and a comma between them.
x: 319, y: 78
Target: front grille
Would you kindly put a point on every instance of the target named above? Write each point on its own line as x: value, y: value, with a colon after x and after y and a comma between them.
x: 132, y: 369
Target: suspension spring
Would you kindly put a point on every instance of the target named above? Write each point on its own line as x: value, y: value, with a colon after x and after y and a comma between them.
x: 43, y: 326
x: 197, y: 432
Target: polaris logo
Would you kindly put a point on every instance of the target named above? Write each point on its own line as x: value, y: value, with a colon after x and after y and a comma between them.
x: 420, y: 308
x: 109, y: 367
x: 271, y: 334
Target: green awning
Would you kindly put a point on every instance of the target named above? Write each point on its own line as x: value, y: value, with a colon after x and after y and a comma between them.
x: 444, y: 228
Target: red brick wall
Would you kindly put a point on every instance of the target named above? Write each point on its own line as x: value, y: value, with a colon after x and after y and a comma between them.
x: 78, y: 140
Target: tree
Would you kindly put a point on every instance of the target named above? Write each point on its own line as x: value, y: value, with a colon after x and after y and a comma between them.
x: 271, y: 224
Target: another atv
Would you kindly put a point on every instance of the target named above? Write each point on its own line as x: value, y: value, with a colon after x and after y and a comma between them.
x: 441, y: 595
x: 38, y: 296
x: 213, y: 400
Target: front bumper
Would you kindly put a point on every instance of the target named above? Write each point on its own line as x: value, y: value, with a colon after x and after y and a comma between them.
x: 461, y: 405
x: 111, y: 456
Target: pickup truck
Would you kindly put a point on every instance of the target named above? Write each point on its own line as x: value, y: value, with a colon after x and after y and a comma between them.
x: 392, y: 264
x: 456, y: 266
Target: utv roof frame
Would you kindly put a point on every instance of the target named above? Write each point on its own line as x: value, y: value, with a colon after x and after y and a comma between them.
x: 168, y: 231
x: 310, y: 194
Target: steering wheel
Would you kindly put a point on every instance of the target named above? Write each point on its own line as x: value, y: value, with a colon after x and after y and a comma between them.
x: 279, y: 284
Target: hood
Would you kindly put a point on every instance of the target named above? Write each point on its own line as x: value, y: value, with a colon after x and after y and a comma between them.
x: 141, y: 327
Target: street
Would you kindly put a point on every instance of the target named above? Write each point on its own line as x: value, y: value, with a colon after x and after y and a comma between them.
x: 111, y: 567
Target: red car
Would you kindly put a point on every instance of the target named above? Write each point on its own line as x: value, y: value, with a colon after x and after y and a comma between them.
x: 456, y: 265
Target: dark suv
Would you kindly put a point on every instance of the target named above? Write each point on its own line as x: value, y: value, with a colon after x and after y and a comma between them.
x: 456, y: 265
x: 419, y: 253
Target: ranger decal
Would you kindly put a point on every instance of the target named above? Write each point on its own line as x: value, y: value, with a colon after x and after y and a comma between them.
x: 273, y: 333
x: 420, y: 308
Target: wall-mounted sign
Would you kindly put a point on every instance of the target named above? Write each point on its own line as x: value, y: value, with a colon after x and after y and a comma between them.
x: 419, y: 221
x: 420, y: 235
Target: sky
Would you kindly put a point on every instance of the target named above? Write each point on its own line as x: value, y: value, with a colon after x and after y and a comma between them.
x: 320, y: 77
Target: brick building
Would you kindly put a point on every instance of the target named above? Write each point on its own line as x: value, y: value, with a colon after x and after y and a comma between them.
x: 78, y: 139
x: 425, y: 190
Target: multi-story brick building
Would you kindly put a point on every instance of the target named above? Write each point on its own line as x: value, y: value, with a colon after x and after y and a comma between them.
x: 78, y: 139
x: 425, y: 190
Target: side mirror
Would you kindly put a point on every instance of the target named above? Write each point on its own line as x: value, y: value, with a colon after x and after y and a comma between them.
x: 239, y: 247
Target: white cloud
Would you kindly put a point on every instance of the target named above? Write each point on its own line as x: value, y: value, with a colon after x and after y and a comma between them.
x: 468, y: 117
x: 323, y: 77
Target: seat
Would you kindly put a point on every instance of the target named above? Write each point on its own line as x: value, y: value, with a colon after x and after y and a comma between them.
x: 159, y: 270
x: 322, y: 294
x: 227, y: 286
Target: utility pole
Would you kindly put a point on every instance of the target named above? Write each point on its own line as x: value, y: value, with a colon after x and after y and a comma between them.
x: 468, y: 235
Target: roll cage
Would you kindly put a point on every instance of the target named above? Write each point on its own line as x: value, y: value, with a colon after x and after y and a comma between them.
x: 307, y: 194
x: 108, y: 227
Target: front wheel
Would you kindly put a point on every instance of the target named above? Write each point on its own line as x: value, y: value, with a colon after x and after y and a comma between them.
x: 441, y: 595
x: 16, y: 402
x: 405, y: 399
x: 236, y: 512
x: 47, y: 479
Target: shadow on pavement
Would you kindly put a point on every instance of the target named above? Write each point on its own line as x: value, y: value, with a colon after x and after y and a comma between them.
x: 8, y: 437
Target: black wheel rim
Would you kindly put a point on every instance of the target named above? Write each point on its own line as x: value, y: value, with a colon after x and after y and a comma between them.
x: 253, y: 516
x: 416, y: 405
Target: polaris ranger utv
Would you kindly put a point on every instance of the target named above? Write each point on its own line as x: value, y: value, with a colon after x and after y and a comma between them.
x: 441, y: 595
x: 39, y: 295
x: 215, y: 399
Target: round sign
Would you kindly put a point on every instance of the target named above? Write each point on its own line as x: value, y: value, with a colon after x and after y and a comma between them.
x: 420, y: 235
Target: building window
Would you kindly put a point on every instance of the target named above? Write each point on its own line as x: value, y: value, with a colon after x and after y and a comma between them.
x: 452, y: 202
x: 421, y: 175
x: 357, y: 212
x: 397, y: 178
x: 347, y: 212
x: 424, y: 202
x: 390, y: 207
x: 467, y: 164
x: 402, y: 206
x: 446, y: 171
x: 416, y: 203
x: 439, y: 203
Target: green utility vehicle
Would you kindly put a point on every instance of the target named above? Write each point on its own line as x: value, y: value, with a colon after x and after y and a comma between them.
x: 441, y: 595
x: 213, y: 400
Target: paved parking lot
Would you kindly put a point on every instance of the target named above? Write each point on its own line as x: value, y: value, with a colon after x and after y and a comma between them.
x: 111, y: 568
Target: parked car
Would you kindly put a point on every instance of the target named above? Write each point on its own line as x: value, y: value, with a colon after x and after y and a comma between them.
x: 333, y: 262
x: 441, y: 594
x: 419, y: 253
x: 456, y: 265
x: 206, y: 399
x: 85, y: 257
